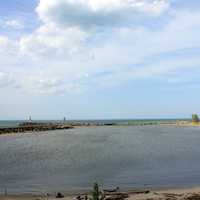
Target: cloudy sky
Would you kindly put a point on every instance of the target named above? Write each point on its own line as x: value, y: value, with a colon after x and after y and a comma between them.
x: 87, y: 59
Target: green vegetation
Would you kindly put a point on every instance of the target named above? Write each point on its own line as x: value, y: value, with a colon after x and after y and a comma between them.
x: 195, y: 118
x: 96, y: 193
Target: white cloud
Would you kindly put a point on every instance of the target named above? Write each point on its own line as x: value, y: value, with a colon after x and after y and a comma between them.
x: 61, y: 45
x: 97, y: 13
x: 15, y: 24
x: 46, y: 84
x: 6, y: 45
x: 49, y: 40
x: 6, y: 79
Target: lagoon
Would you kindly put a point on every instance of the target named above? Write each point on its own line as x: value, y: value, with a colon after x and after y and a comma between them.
x: 125, y: 156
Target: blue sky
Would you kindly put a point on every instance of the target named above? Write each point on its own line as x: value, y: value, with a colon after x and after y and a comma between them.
x: 87, y: 59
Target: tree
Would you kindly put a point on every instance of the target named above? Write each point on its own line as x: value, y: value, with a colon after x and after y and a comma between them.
x: 195, y: 118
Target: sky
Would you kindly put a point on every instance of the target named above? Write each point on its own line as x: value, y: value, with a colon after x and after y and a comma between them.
x: 99, y: 59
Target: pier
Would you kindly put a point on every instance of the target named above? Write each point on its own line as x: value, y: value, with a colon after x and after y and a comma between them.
x: 34, y: 127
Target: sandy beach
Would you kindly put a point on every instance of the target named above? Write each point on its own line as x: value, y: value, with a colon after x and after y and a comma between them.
x: 162, y: 194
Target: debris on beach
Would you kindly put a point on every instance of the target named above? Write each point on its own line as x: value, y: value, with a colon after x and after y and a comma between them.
x: 111, y: 190
x: 193, y: 196
x: 59, y: 195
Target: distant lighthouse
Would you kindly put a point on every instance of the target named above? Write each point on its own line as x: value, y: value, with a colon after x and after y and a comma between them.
x: 30, y: 120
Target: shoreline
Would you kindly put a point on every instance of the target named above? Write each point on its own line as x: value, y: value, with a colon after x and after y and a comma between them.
x: 174, y: 193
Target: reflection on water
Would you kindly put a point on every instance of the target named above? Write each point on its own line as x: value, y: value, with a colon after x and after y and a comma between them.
x: 71, y: 160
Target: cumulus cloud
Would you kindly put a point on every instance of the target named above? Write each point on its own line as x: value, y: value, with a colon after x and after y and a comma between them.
x: 65, y: 32
x: 73, y: 54
x: 95, y: 13
x: 49, y: 40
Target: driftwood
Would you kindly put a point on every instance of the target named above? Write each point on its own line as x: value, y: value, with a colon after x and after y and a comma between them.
x: 169, y: 196
x: 116, y: 196
x: 192, y: 197
x: 111, y: 191
x: 140, y: 192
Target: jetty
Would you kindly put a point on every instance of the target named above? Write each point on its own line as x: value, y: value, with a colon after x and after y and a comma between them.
x: 34, y: 127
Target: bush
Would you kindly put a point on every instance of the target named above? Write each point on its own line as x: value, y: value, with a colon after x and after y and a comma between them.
x: 195, y: 118
x: 96, y: 193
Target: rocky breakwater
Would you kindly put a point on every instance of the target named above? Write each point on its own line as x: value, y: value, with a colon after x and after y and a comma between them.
x: 34, y: 127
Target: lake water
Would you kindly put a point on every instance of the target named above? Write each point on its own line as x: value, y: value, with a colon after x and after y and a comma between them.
x: 125, y: 156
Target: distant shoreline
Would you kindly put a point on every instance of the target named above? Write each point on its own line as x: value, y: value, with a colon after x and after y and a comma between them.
x: 51, y: 127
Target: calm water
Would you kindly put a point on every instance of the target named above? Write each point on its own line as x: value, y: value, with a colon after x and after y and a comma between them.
x: 129, y: 157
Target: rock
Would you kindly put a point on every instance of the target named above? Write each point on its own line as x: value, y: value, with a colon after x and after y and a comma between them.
x: 82, y: 198
x: 78, y: 197
x: 59, y: 195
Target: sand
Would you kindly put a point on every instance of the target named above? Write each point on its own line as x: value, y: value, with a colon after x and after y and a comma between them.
x: 165, y: 194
